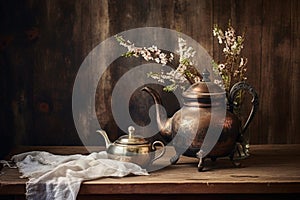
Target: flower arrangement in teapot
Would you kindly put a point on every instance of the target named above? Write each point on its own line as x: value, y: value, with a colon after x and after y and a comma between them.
x: 227, y: 90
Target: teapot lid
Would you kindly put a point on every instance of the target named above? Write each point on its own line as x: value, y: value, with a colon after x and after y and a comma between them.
x: 131, y: 138
x: 204, y: 89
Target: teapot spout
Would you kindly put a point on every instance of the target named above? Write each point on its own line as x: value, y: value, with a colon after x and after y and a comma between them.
x: 106, y: 139
x: 164, y: 125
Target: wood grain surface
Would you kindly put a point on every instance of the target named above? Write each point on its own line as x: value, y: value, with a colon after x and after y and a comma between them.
x: 270, y: 169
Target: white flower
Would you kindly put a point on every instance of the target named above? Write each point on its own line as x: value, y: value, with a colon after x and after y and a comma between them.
x: 234, y: 46
x: 181, y: 43
x: 153, y: 48
x: 221, y: 66
x: 220, y: 40
x: 241, y: 63
x: 197, y: 79
x: 226, y: 50
x: 157, y: 60
x: 161, y: 80
x: 162, y: 55
x: 171, y: 57
x: 219, y: 83
x: 163, y: 62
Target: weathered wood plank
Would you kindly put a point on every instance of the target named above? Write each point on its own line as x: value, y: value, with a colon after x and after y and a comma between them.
x: 53, y: 74
x: 17, y: 38
x: 275, y: 67
x: 270, y: 169
x: 252, y: 25
x: 294, y: 79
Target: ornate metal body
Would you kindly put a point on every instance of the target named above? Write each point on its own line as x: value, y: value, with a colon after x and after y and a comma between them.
x: 196, y: 114
x: 132, y: 148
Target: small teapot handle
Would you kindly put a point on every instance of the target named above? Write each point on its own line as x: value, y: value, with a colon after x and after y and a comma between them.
x: 234, y: 91
x: 154, y: 148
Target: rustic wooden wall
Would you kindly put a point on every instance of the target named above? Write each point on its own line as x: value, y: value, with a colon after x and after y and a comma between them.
x: 43, y: 44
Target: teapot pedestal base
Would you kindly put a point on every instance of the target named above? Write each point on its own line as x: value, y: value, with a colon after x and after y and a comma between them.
x: 201, y: 163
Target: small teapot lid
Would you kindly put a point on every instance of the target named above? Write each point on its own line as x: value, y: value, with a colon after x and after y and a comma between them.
x: 204, y: 89
x: 131, y: 138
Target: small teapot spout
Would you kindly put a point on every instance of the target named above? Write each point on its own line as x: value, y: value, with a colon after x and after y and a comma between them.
x: 106, y: 139
x: 164, y: 125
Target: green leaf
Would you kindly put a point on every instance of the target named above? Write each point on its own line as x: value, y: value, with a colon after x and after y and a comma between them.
x: 170, y: 88
x: 128, y: 54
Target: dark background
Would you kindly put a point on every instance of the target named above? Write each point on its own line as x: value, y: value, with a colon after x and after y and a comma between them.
x: 43, y: 43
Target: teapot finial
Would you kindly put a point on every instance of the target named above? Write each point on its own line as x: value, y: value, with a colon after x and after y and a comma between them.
x: 131, y: 131
x: 205, y: 74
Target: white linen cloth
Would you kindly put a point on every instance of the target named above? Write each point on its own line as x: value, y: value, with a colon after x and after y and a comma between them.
x: 58, y: 177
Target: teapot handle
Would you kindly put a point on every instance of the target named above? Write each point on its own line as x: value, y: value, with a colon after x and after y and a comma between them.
x: 154, y: 148
x: 234, y: 91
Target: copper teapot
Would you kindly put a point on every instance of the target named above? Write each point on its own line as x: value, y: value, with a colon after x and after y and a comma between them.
x: 195, y: 119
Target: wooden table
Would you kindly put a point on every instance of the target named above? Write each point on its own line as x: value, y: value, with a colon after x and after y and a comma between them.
x: 270, y: 170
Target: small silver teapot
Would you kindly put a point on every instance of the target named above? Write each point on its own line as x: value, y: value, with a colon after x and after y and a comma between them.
x: 132, y: 148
